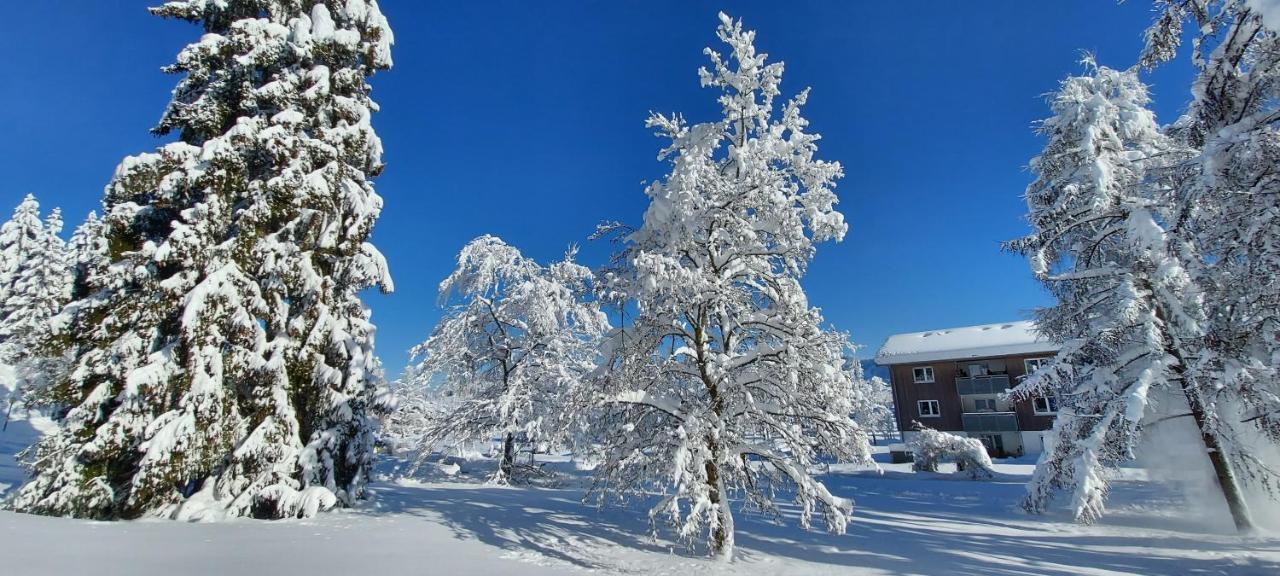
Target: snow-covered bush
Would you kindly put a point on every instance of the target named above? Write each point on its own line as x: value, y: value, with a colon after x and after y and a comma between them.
x: 724, y: 380
x: 931, y: 447
x: 220, y: 351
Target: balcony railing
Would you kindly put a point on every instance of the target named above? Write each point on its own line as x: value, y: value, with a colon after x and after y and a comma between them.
x: 991, y: 384
x: 990, y: 421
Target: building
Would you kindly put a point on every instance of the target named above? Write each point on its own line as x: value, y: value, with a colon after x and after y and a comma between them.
x: 952, y: 380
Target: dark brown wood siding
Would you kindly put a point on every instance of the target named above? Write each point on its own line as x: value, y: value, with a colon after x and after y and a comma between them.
x: 943, y: 389
x: 907, y: 393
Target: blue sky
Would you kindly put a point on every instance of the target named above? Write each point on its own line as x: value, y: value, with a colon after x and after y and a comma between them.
x: 526, y: 120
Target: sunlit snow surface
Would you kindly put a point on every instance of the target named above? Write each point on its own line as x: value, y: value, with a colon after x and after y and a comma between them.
x: 905, y: 523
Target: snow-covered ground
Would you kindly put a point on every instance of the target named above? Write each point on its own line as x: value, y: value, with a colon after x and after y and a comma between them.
x: 905, y: 524
x: 21, y: 429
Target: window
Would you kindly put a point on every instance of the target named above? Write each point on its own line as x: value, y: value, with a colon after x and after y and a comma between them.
x: 1045, y: 404
x: 1033, y: 364
x: 922, y: 374
x: 928, y: 408
x: 984, y: 405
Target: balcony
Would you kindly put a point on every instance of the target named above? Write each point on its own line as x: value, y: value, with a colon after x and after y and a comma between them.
x: 990, y: 421
x: 990, y: 384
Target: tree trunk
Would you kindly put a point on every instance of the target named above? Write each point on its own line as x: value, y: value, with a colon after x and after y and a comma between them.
x: 1221, y: 466
x: 722, y: 536
x: 508, y: 456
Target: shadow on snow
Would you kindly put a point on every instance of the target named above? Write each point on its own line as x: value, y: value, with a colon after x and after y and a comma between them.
x: 900, y: 526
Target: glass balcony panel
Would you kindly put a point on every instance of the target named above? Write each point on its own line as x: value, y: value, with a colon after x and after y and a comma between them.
x: 990, y: 421
x: 991, y: 384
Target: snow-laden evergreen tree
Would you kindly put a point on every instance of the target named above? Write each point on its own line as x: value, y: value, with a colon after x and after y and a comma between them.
x: 40, y: 287
x: 511, y: 351
x: 726, y: 381
x: 223, y: 361
x: 36, y: 284
x: 88, y: 255
x: 1228, y: 198
x: 40, y: 290
x: 1128, y: 312
x: 22, y: 237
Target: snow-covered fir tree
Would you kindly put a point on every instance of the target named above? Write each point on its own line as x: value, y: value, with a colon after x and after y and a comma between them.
x: 1127, y: 310
x: 41, y: 289
x: 223, y: 362
x: 725, y: 382
x: 511, y: 351
x: 88, y: 255
x: 37, y: 281
x: 41, y: 286
x: 1228, y: 198
x: 36, y: 284
x: 22, y: 237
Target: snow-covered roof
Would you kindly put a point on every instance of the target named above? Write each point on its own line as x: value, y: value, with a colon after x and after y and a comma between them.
x: 1003, y: 339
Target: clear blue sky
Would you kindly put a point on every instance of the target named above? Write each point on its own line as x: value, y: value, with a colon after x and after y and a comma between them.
x: 525, y: 119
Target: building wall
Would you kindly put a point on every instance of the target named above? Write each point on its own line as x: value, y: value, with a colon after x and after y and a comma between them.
x: 943, y: 389
x: 1034, y: 441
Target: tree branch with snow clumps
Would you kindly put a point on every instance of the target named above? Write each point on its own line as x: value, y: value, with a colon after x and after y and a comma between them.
x: 727, y: 382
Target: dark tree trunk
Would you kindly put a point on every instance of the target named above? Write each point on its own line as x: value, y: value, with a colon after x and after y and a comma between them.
x: 720, y: 544
x: 1222, y: 468
x: 508, y: 455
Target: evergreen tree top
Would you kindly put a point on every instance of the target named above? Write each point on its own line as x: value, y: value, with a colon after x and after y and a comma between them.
x: 257, y: 53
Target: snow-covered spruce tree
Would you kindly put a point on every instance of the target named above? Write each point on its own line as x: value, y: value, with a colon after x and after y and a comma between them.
x: 22, y: 237
x: 512, y: 349
x: 1228, y: 195
x: 1127, y: 310
x: 223, y: 361
x: 726, y: 381
x: 34, y: 285
x: 40, y: 287
x: 88, y: 255
x: 40, y: 290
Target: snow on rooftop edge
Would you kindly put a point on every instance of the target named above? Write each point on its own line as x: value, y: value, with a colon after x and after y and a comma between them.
x: 1002, y: 339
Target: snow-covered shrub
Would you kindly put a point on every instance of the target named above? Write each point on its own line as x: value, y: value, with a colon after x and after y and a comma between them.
x: 931, y: 447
